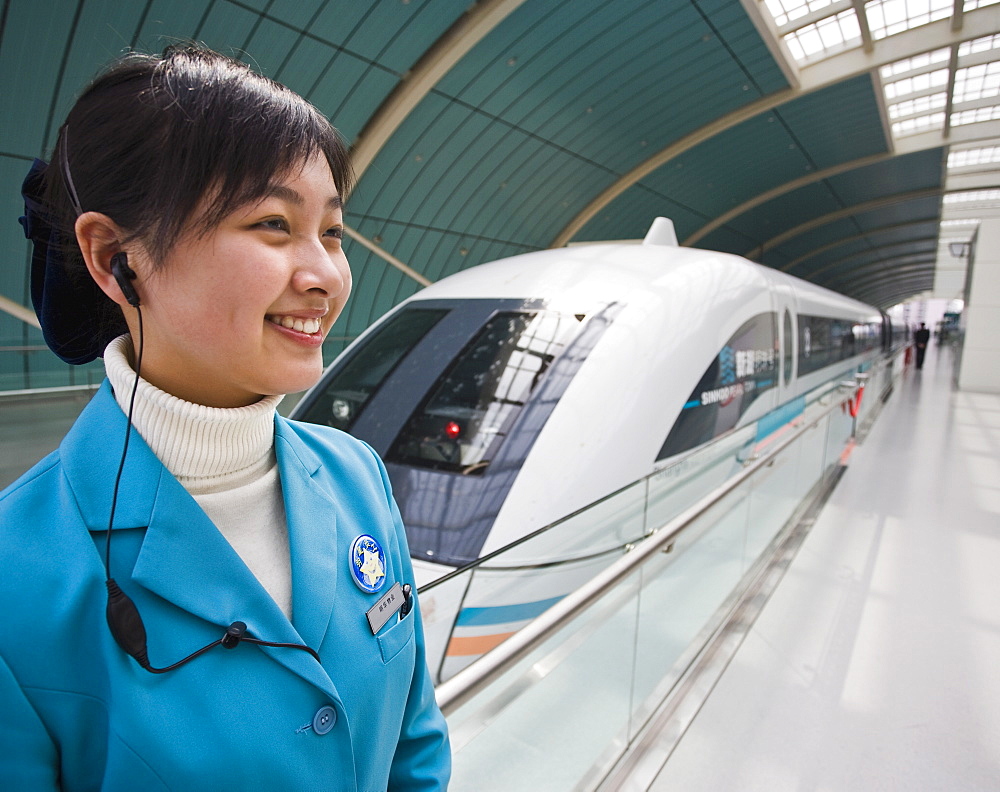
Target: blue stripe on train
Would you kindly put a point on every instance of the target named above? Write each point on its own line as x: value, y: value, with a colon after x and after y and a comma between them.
x: 775, y: 419
x: 502, y: 614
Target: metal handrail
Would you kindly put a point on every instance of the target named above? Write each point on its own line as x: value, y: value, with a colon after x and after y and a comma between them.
x: 472, y: 679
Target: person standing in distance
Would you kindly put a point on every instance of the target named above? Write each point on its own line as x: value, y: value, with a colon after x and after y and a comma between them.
x: 197, y: 593
x: 921, y: 338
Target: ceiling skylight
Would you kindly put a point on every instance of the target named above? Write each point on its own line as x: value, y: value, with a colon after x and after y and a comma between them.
x: 823, y: 37
x: 972, y: 5
x: 983, y: 44
x: 886, y: 17
x: 911, y: 126
x: 916, y: 63
x: 973, y: 196
x: 919, y: 106
x: 977, y: 82
x: 785, y: 11
x: 963, y: 158
x: 963, y: 117
x: 916, y: 84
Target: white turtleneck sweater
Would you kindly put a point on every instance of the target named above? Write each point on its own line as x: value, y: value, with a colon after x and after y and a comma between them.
x: 224, y: 457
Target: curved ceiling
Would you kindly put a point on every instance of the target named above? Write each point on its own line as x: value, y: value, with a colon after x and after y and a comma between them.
x: 812, y: 136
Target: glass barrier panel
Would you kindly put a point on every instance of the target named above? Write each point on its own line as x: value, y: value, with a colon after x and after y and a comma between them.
x: 562, y: 716
x: 778, y: 489
x: 508, y: 591
x: 682, y: 483
x: 840, y: 427
x: 681, y: 592
x: 812, y: 456
x: 547, y: 721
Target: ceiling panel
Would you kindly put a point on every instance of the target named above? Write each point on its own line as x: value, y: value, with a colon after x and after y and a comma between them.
x: 787, y: 212
x: 917, y: 171
x: 837, y: 124
x: 732, y: 167
x: 633, y: 213
x: 559, y: 104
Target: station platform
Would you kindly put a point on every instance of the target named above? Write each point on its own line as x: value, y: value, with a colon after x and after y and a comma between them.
x: 875, y: 665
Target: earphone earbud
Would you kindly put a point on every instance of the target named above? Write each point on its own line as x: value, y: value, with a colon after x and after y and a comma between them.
x: 124, y: 275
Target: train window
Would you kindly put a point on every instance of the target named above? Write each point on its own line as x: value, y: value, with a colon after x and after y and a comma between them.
x: 815, y: 343
x: 824, y: 341
x: 746, y: 367
x: 468, y: 411
x: 788, y: 358
x: 842, y: 339
x: 350, y: 388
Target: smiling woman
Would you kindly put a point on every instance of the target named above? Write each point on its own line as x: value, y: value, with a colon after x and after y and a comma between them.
x: 190, y: 232
x: 226, y: 334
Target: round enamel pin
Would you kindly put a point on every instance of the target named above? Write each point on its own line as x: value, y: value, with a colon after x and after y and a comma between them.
x: 367, y: 564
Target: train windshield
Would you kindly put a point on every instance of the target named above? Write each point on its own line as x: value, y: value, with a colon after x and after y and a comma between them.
x: 470, y: 408
x: 346, y: 395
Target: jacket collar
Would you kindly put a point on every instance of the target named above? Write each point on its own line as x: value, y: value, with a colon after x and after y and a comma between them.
x: 91, y: 452
x: 184, y: 559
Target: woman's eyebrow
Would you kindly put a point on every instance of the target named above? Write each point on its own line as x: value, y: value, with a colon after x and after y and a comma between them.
x: 283, y: 193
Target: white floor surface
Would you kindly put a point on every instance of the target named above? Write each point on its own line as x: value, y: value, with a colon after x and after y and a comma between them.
x: 876, y: 664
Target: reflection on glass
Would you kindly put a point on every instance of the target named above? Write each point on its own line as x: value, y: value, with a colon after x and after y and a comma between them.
x: 348, y: 391
x: 470, y: 408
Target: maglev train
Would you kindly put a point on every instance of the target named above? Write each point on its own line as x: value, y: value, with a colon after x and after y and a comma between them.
x: 514, y: 393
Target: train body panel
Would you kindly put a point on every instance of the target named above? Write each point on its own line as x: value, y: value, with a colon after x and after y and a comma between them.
x: 618, y: 411
x: 512, y: 394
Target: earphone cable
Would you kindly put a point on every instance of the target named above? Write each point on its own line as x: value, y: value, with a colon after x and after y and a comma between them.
x: 121, y: 464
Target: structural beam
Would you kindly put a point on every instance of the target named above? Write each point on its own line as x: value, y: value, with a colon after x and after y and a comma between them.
x: 387, y: 256
x: 844, y: 240
x: 864, y: 278
x: 782, y: 189
x: 844, y: 262
x: 18, y: 311
x: 478, y: 22
x: 840, y: 214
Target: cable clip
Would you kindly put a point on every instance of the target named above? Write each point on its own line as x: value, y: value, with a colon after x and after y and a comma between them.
x: 233, y: 635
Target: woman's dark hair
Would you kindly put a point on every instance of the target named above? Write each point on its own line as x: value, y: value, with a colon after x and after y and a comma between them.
x: 148, y: 141
x: 151, y: 137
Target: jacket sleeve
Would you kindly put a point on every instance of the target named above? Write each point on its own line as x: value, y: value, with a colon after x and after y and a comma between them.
x: 28, y: 758
x: 422, y: 761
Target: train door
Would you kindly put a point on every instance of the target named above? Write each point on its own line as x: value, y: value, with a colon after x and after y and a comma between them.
x: 787, y: 315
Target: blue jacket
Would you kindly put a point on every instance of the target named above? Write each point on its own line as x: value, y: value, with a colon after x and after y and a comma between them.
x: 77, y: 713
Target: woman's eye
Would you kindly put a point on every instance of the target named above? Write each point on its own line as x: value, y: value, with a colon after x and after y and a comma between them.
x: 337, y: 232
x: 276, y: 223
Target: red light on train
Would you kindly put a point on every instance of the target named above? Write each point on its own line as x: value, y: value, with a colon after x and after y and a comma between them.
x: 452, y: 430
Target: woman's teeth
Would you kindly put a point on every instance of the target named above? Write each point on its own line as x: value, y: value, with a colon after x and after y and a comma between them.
x: 309, y: 326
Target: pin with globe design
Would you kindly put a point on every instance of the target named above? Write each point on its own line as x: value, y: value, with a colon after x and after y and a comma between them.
x: 367, y: 563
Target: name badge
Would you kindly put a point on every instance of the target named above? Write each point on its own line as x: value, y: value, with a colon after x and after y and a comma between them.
x: 387, y: 607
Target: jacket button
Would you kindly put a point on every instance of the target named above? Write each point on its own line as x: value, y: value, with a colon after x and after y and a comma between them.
x: 324, y: 719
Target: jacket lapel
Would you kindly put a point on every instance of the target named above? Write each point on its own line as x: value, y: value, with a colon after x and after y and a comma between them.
x: 183, y: 558
x: 90, y: 453
x: 312, y: 536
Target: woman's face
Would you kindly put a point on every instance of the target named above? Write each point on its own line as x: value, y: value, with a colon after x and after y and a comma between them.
x: 241, y: 312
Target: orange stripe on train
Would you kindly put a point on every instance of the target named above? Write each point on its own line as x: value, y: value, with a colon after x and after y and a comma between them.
x: 475, y: 645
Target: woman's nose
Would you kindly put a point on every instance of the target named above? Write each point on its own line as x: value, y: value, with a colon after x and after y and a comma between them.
x: 322, y: 269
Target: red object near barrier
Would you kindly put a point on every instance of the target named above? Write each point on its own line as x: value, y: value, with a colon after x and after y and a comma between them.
x: 908, y: 357
x: 855, y: 403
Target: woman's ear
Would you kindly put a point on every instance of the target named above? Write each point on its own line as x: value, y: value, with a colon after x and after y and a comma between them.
x: 100, y: 238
